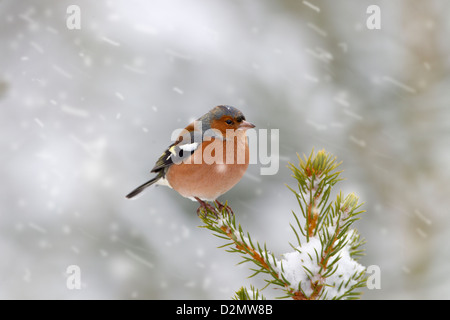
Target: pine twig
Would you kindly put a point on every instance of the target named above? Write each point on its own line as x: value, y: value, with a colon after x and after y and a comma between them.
x: 324, y: 263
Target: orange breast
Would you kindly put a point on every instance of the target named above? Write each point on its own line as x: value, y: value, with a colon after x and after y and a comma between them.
x: 223, y: 163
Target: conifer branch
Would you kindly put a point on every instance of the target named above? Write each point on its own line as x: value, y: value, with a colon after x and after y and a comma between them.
x: 324, y: 263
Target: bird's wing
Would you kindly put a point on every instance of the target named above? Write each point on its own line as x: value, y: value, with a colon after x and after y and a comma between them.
x: 181, y: 149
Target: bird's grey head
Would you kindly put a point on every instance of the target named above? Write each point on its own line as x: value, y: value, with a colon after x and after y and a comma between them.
x: 217, y: 113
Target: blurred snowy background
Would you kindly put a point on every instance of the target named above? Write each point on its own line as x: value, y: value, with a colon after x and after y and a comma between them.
x: 85, y: 114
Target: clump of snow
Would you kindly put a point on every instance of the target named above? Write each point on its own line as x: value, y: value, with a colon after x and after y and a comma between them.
x: 347, y: 269
x: 302, y: 268
x: 294, y: 264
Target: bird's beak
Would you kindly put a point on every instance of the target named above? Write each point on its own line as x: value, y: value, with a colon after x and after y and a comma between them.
x: 246, y: 125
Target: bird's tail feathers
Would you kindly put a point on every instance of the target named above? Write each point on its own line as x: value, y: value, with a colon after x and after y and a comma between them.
x: 141, y: 188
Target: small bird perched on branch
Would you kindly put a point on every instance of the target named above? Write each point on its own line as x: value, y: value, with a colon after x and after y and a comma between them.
x: 207, y: 159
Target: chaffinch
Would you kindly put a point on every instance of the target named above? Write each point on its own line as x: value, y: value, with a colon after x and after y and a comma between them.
x: 207, y: 159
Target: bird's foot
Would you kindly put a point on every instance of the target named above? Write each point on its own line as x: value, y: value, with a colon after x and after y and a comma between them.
x: 204, y: 206
x: 225, y: 206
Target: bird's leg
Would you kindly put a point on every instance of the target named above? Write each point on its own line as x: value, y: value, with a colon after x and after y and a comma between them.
x: 227, y: 208
x: 204, y: 205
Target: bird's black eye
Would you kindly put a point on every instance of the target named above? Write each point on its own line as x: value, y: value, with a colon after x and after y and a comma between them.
x: 229, y: 121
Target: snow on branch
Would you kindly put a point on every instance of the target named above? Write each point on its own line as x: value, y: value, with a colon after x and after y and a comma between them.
x: 324, y: 261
